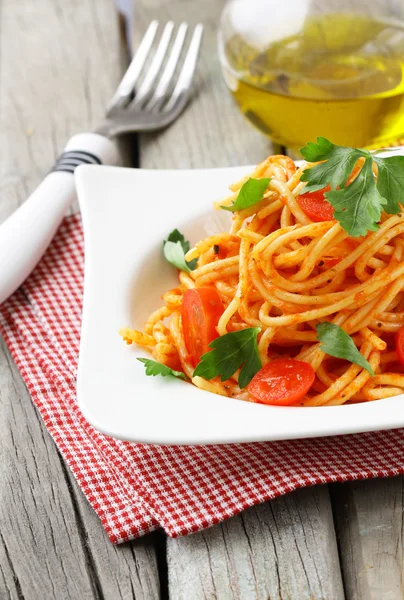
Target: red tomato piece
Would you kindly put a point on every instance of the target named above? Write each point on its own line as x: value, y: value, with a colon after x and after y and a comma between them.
x: 316, y: 206
x: 281, y: 382
x: 399, y: 340
x: 200, y: 312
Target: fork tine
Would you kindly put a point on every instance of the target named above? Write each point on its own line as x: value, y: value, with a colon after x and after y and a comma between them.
x: 182, y: 89
x: 128, y: 82
x: 145, y: 89
x: 159, y: 95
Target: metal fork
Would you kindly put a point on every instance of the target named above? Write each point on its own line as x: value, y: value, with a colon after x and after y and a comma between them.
x: 159, y: 99
x: 155, y: 105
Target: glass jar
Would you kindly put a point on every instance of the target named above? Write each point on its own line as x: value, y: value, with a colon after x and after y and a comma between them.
x: 300, y: 68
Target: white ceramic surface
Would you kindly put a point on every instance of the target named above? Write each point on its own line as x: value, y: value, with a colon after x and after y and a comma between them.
x: 127, y: 214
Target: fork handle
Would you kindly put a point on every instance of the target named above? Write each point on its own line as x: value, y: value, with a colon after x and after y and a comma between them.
x: 26, y: 234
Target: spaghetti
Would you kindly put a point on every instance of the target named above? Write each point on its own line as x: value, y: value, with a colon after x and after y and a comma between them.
x: 279, y: 270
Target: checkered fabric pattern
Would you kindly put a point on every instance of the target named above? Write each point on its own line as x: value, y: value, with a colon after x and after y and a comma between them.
x: 135, y: 488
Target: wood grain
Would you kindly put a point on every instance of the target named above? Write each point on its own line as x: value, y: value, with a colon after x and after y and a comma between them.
x: 60, y: 61
x: 285, y: 549
x: 282, y: 549
x: 59, y: 64
x: 369, y: 522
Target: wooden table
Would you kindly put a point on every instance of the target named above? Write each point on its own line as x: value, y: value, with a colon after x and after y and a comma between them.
x: 59, y: 62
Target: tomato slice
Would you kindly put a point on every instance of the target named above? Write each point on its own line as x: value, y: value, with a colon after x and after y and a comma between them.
x: 316, y: 206
x: 399, y: 340
x: 282, y: 381
x: 201, y: 311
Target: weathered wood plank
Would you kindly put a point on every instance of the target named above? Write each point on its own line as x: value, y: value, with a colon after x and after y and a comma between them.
x: 284, y: 549
x: 58, y: 67
x: 59, y: 63
x: 369, y: 521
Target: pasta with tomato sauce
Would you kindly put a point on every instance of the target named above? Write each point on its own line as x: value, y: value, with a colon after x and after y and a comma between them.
x: 287, y: 266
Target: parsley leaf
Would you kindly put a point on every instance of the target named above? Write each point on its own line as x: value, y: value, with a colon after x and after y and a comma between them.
x: 359, y: 205
x: 176, y: 236
x: 251, y: 192
x: 390, y: 181
x: 155, y: 368
x: 175, y: 248
x: 335, y: 171
x: 174, y: 253
x: 335, y: 342
x: 230, y: 352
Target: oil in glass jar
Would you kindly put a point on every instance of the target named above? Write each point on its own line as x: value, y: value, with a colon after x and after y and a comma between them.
x: 338, y: 75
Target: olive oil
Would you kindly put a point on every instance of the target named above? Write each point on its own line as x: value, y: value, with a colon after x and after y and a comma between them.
x: 341, y: 76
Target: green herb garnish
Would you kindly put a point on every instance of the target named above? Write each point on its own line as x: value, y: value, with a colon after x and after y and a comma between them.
x: 152, y: 367
x: 175, y: 248
x: 390, y: 181
x: 358, y: 205
x: 232, y: 351
x: 336, y: 342
x: 251, y: 192
x: 334, y: 172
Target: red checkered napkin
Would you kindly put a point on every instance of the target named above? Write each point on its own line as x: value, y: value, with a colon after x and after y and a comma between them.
x: 135, y: 488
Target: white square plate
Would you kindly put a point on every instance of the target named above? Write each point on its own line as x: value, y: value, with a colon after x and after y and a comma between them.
x: 127, y: 213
